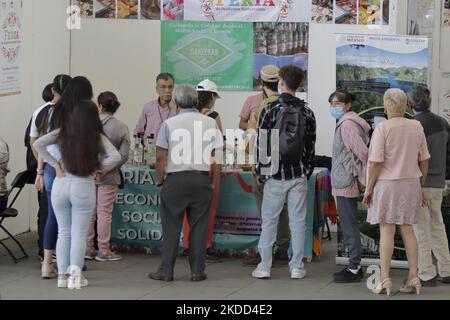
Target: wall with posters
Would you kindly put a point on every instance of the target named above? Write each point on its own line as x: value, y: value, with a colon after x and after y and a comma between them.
x: 44, y: 52
x: 124, y: 56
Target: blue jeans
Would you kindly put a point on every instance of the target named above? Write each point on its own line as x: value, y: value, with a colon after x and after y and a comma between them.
x: 51, y: 226
x: 275, y: 194
x: 74, y: 202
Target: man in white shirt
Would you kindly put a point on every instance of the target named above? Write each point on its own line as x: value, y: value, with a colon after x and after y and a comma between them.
x: 186, y: 147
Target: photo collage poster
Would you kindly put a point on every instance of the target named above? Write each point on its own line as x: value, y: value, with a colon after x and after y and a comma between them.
x: 361, y: 12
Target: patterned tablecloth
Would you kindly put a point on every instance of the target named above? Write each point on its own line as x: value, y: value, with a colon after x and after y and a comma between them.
x: 136, y: 222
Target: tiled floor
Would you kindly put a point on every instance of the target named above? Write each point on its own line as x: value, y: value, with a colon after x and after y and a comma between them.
x: 127, y: 279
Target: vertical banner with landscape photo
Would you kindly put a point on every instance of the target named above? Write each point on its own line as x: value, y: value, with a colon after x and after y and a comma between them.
x: 280, y: 43
x: 127, y: 9
x: 11, y: 38
x: 172, y: 10
x: 444, y: 95
x: 368, y: 65
x: 220, y: 51
x: 248, y: 10
x: 106, y: 9
x: 151, y: 9
x: 86, y: 7
x: 421, y: 17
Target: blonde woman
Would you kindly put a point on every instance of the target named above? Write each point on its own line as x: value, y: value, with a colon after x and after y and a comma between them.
x: 398, y: 165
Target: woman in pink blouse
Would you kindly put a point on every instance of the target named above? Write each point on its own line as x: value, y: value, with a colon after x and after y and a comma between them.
x: 398, y: 165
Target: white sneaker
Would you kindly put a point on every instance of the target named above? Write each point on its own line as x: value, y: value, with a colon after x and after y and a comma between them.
x: 297, y: 273
x: 62, y: 280
x: 76, y: 282
x: 260, y: 274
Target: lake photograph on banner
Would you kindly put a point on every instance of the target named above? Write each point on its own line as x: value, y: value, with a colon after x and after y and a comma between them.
x: 221, y: 52
x: 368, y: 65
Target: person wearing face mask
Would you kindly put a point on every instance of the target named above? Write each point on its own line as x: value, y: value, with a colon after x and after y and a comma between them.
x: 350, y: 137
x: 157, y: 111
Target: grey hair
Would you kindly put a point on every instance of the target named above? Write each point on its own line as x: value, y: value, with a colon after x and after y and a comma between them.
x: 395, y: 101
x: 185, y: 96
x: 419, y: 98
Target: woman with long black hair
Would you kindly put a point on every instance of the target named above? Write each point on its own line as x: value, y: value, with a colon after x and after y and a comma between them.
x: 85, y: 153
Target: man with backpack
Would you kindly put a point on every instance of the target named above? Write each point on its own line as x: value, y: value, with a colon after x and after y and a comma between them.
x: 285, y: 159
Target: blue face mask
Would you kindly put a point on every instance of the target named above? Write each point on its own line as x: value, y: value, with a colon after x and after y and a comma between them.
x: 337, y: 112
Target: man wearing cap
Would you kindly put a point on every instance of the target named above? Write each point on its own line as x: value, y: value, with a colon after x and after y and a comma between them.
x: 270, y: 87
x: 155, y: 112
x: 269, y: 79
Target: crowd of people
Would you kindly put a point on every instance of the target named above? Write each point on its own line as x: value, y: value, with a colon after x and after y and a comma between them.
x: 77, y: 148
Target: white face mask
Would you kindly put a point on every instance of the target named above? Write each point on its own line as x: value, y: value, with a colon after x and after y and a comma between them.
x: 279, y: 89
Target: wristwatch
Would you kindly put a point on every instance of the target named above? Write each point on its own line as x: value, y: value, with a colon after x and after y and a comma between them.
x: 160, y: 184
x: 40, y: 172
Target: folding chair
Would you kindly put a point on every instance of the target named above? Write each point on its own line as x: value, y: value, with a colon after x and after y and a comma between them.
x: 16, y: 186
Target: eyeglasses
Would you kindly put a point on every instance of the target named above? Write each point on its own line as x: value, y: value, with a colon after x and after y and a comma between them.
x: 165, y: 87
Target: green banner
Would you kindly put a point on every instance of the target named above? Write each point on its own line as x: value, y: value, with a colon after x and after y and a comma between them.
x: 136, y: 222
x: 221, y: 51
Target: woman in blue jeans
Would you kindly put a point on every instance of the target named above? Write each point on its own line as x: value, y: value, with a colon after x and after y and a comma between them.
x: 85, y: 154
x: 46, y: 173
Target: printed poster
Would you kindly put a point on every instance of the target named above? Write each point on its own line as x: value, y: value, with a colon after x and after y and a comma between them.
x: 172, y: 10
x: 86, y: 7
x: 221, y: 51
x: 106, y: 9
x: 322, y: 11
x: 346, y: 12
x: 444, y: 95
x: 280, y: 43
x: 11, y: 38
x: 365, y: 12
x: 368, y: 65
x: 127, y: 9
x: 249, y: 10
x: 421, y: 17
x: 446, y: 14
x: 151, y: 9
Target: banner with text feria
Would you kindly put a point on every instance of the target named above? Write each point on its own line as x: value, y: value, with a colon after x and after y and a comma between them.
x: 248, y: 10
x: 220, y: 51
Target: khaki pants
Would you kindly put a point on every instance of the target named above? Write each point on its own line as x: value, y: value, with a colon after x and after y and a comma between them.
x: 431, y: 237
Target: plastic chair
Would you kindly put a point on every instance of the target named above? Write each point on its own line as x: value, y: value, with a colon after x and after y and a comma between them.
x: 16, y: 188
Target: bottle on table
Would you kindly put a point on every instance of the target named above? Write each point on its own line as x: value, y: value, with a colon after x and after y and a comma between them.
x: 131, y: 151
x: 235, y: 155
x: 150, y: 151
x: 138, y: 151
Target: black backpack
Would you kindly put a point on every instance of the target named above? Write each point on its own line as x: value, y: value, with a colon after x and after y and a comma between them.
x: 290, y: 123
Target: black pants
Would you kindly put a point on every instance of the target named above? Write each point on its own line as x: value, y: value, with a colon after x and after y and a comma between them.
x: 42, y: 219
x: 188, y: 191
x: 348, y: 218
